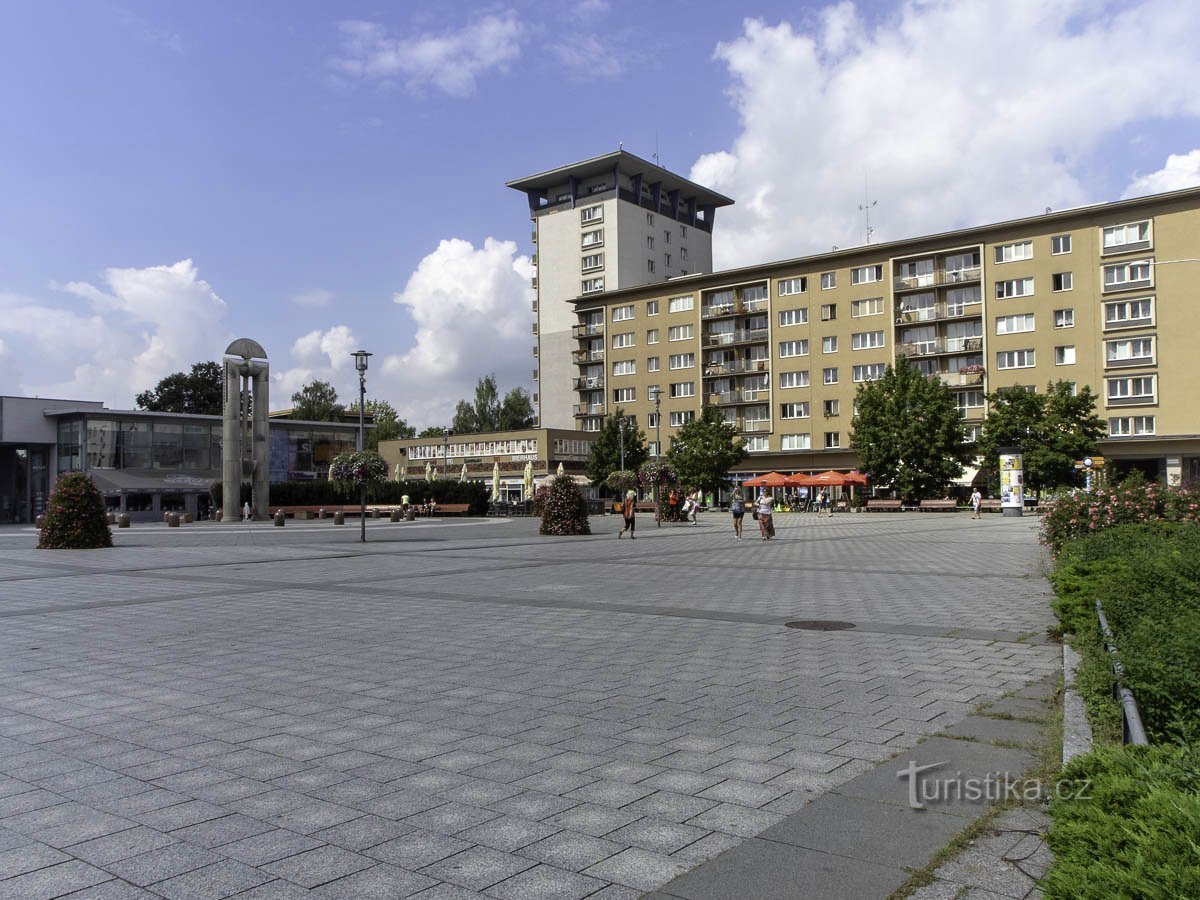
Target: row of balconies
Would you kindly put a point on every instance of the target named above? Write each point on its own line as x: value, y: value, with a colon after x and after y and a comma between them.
x: 730, y: 398
x: 741, y: 307
x: 940, y: 345
x: 737, y: 366
x: 959, y: 379
x: 939, y: 311
x: 740, y: 336
x: 936, y: 278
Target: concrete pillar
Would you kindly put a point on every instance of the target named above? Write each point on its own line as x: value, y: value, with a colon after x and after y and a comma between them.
x: 261, y: 446
x: 231, y: 457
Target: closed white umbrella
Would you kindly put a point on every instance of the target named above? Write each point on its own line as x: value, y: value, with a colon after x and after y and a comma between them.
x: 495, y: 482
x: 560, y: 470
x: 462, y: 476
x: 528, y: 480
x: 428, y: 471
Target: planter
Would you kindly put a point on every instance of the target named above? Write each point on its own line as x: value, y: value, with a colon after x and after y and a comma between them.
x: 280, y: 518
x: 122, y: 521
x: 339, y: 518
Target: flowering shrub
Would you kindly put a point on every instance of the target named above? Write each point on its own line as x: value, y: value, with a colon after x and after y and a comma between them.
x: 565, y: 511
x: 655, y: 472
x: 1133, y: 501
x: 540, y: 495
x: 973, y: 369
x: 621, y: 480
x: 75, y: 518
x: 359, y: 469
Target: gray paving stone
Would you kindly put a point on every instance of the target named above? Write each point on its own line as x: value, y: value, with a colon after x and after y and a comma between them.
x: 113, y: 890
x: 165, y: 862
x: 114, y: 847
x: 363, y: 832
x: 546, y: 883
x: 507, y: 833
x: 319, y: 866
x: 1005, y: 731
x: 477, y: 868
x: 29, y: 858
x: 381, y: 880
x: 221, y: 879
x: 639, y: 869
x: 417, y: 849
x: 591, y: 819
x: 269, y: 846
x: 52, y: 881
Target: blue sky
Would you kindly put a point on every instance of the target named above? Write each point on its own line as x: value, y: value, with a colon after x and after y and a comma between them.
x: 324, y: 176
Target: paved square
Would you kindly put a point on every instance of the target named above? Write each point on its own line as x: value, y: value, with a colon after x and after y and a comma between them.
x: 469, y: 709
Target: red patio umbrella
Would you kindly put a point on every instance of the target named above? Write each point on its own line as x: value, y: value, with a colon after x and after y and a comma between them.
x: 829, y: 478
x: 771, y: 479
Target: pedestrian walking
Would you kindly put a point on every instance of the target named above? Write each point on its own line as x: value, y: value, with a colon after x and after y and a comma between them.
x: 694, y: 506
x: 629, y: 511
x: 246, y: 511
x: 825, y: 507
x: 976, y: 502
x: 766, y: 521
x: 738, y: 508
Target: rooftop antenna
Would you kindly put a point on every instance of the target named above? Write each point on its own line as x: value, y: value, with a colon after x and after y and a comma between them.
x: 620, y: 145
x: 865, y: 207
x: 657, y: 161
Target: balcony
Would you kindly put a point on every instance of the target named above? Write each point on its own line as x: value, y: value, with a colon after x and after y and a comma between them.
x: 753, y: 426
x: 589, y: 383
x: 937, y: 278
x: 716, y: 370
x: 741, y: 336
x: 940, y: 345
x: 589, y: 409
x: 590, y: 330
x: 731, y: 398
x: 580, y: 357
x: 738, y: 308
x: 940, y: 311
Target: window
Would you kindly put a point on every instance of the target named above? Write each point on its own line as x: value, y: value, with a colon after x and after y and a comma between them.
x: 833, y: 440
x: 1135, y: 351
x: 666, y: 259
x: 591, y: 214
x: 683, y: 255
x: 866, y: 340
x: 1139, y: 388
x: 830, y: 375
x: 1060, y: 244
x: 966, y: 400
x: 682, y: 389
x: 682, y: 360
x: 624, y: 395
x: 793, y: 348
x: 869, y: 372
x: 1064, y: 318
x: 1015, y: 359
x: 622, y: 313
x: 794, y: 410
x: 866, y: 274
x: 652, y: 421
x: 592, y: 285
x: 1061, y: 281
x: 593, y: 238
x: 1128, y: 426
x: 591, y: 424
x: 652, y: 307
x: 1123, y: 276
x: 652, y: 364
x: 828, y: 312
x: 972, y: 434
x: 624, y: 339
x: 650, y: 219
x: 652, y: 336
x: 871, y: 307
x: 795, y: 442
x: 833, y: 408
x: 1064, y: 356
x: 793, y: 317
x: 916, y: 273
x: 682, y: 231
x: 790, y: 286
x: 649, y: 242
x: 679, y: 332
x: 757, y: 443
x: 682, y: 417
x: 681, y: 304
x: 958, y: 264
x: 829, y: 343
x: 1013, y: 252
x: 1124, y: 313
x: 667, y: 237
x: 624, y: 367
x: 1014, y: 324
x: 828, y: 280
x: 649, y: 265
x: 1123, y: 238
x: 794, y: 379
x: 1017, y: 287
x: 593, y: 261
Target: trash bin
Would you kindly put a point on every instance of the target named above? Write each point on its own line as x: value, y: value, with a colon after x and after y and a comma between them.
x: 280, y: 518
x: 410, y: 515
x: 394, y: 515
x: 122, y: 521
x: 339, y: 518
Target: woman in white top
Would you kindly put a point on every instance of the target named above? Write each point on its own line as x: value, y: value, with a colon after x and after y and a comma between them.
x: 766, y: 525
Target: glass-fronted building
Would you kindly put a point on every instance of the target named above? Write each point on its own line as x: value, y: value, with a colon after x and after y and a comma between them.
x: 144, y: 463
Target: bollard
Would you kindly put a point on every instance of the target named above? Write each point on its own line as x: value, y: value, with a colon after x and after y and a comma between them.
x: 167, y: 516
x: 111, y: 518
x: 394, y: 515
x: 39, y: 522
x: 339, y: 518
x: 410, y: 515
x: 187, y: 518
x: 321, y: 513
x: 375, y: 514
x: 172, y: 520
x: 122, y: 521
x: 280, y: 518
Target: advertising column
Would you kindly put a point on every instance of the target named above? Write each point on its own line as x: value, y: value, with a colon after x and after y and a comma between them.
x: 1012, y: 481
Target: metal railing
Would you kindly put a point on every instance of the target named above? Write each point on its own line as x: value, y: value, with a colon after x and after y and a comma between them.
x: 1131, y: 719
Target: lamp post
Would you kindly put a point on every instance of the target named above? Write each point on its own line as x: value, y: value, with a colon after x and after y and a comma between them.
x: 445, y: 451
x: 656, y: 396
x: 621, y: 429
x: 360, y: 363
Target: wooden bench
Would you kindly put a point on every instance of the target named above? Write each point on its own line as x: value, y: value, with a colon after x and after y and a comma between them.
x: 646, y: 506
x: 892, y: 505
x: 989, y: 505
x: 939, y: 505
x: 348, y: 509
x: 452, y: 509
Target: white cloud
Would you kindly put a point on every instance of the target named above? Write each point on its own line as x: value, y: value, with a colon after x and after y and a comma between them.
x: 948, y: 113
x: 313, y: 299
x: 450, y: 61
x: 1181, y: 171
x: 109, y: 343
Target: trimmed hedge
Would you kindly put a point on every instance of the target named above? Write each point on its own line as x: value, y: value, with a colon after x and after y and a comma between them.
x: 316, y: 493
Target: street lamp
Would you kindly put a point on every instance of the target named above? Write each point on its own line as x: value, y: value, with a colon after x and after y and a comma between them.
x: 621, y: 428
x: 360, y: 363
x: 445, y: 451
x: 656, y: 396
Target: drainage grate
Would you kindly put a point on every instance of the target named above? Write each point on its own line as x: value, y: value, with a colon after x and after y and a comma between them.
x: 819, y: 625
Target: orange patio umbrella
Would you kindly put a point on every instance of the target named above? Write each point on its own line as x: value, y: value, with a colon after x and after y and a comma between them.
x: 771, y: 479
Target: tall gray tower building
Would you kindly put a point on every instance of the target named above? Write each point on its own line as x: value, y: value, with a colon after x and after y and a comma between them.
x: 611, y: 222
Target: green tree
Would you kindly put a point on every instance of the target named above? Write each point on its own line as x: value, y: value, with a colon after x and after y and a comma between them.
x: 316, y: 402
x: 489, y: 413
x: 432, y: 431
x: 705, y: 449
x: 605, y: 456
x: 199, y: 391
x: 1052, y: 429
x: 386, y: 423
x: 908, y: 433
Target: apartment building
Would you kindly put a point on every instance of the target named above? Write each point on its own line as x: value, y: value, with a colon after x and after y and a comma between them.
x: 608, y: 223
x: 1101, y: 296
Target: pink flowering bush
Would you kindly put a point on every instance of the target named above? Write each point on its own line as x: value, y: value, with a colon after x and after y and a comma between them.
x: 564, y: 511
x: 75, y: 517
x: 359, y: 469
x: 1133, y: 501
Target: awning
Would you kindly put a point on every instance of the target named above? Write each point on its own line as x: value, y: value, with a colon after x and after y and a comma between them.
x: 121, y: 481
x: 970, y: 473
